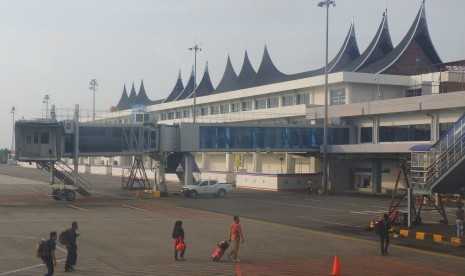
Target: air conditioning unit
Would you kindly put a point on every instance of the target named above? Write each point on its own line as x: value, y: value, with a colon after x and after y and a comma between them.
x: 68, y: 126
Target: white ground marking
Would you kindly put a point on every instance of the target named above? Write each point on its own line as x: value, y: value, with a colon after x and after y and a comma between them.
x: 355, y: 212
x: 29, y: 267
x: 346, y: 203
x: 296, y: 205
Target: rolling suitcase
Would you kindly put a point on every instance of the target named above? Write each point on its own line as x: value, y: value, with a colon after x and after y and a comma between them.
x: 219, y: 251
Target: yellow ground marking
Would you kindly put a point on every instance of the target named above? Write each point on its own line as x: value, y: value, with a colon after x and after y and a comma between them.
x: 78, y: 208
x: 135, y: 208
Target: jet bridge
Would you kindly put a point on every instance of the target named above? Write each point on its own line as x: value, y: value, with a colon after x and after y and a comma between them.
x: 47, y: 141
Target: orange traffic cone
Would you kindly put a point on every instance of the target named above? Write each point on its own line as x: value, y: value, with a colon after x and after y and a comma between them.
x: 336, y: 267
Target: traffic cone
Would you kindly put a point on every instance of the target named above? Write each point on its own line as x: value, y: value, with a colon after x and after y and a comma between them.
x: 372, y: 223
x: 336, y: 267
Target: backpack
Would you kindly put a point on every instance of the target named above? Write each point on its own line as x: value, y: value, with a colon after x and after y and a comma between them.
x: 41, y: 249
x: 63, y: 238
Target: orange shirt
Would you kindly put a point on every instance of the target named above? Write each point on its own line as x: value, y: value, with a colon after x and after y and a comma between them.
x: 235, y: 231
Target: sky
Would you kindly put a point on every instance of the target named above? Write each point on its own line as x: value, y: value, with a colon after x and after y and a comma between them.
x: 54, y: 47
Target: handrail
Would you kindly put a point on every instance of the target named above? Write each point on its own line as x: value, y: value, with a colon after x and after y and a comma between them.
x: 443, y: 159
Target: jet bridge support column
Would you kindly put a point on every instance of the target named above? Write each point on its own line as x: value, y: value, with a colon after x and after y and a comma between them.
x: 161, y: 176
x: 205, y: 161
x: 189, y: 169
x: 290, y: 163
x: 376, y: 176
x: 257, y: 162
x: 52, y: 174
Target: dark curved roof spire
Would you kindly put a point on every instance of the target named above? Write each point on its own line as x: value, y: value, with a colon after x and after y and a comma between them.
x: 228, y: 80
x: 267, y: 73
x: 177, y: 89
x: 347, y: 53
x: 205, y: 86
x: 246, y: 75
x: 123, y: 101
x: 415, y: 54
x: 132, y: 97
x: 188, y: 89
x: 142, y: 95
x: 380, y: 45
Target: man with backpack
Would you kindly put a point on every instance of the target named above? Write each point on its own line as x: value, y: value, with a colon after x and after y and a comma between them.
x: 69, y: 239
x: 384, y: 225
x: 48, y: 253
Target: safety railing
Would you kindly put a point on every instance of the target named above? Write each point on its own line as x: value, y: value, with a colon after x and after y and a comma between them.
x: 445, y: 153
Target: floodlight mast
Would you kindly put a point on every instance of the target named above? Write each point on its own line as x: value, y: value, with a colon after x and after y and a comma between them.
x: 195, y: 48
x: 326, y: 4
x: 46, y: 101
x: 93, y: 86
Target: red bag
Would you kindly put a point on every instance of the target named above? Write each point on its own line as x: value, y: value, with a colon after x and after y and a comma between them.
x: 180, y: 246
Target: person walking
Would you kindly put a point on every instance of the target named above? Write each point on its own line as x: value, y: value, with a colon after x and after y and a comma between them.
x: 309, y: 186
x: 71, y: 247
x: 178, y: 236
x: 49, y: 254
x: 459, y: 216
x: 235, y: 236
x: 384, y: 226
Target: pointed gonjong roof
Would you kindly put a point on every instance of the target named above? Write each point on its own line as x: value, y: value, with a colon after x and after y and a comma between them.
x: 348, y: 52
x: 188, y: 89
x: 123, y: 101
x: 267, y: 73
x: 246, y: 75
x: 380, y: 45
x: 228, y: 80
x: 415, y: 54
x: 205, y: 86
x: 177, y: 89
x: 132, y: 97
x: 142, y: 98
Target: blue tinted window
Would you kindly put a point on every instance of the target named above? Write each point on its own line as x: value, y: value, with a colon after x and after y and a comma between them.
x: 405, y: 133
x: 225, y: 137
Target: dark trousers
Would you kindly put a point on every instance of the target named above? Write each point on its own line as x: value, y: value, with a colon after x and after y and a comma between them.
x: 384, y: 237
x: 71, y: 258
x: 180, y: 255
x: 50, y: 267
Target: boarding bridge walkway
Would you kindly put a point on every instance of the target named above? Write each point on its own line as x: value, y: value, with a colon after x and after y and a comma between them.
x: 48, y: 141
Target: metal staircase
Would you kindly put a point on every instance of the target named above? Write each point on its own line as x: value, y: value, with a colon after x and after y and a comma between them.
x: 65, y: 173
x: 434, y: 170
x: 444, y: 161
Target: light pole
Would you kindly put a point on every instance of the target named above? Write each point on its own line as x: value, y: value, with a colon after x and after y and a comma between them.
x: 326, y: 4
x: 195, y: 48
x: 93, y: 86
x: 13, y: 109
x: 45, y: 101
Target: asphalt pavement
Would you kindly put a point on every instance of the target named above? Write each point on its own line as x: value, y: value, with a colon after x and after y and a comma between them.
x: 285, y: 233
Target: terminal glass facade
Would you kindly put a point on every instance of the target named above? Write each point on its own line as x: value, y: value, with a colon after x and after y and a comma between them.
x: 268, y: 138
x: 404, y: 133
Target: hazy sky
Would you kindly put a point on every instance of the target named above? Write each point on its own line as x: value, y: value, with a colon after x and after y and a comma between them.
x: 56, y: 46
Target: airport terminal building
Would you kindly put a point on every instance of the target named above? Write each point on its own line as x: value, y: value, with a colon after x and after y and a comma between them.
x: 389, y: 97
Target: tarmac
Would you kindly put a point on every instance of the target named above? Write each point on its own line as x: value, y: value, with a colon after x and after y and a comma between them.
x: 125, y: 235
